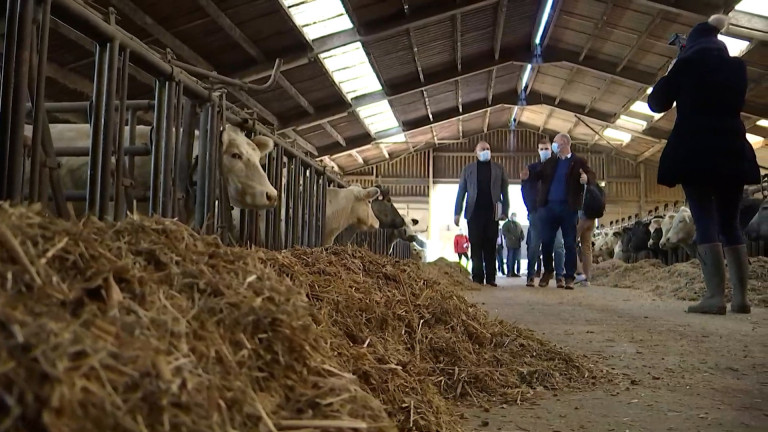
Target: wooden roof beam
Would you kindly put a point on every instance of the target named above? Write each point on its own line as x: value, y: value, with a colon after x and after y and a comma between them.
x: 650, y: 152
x: 336, y: 135
x: 596, y: 28
x: 487, y: 120
x: 301, y: 141
x: 640, y: 39
x: 501, y: 14
x: 439, y: 11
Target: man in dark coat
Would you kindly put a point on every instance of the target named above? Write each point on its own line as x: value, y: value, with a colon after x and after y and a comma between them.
x: 485, y: 186
x: 708, y: 154
x: 561, y: 192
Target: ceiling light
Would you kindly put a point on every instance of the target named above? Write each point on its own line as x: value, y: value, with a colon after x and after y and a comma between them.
x: 617, y: 134
x: 544, y: 19
x: 754, y: 139
x: 650, y: 89
x: 763, y: 123
x: 526, y: 75
x: 642, y: 107
x: 318, y: 18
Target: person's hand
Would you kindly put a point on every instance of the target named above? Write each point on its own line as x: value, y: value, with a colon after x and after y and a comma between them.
x: 456, y: 220
x: 583, y: 179
x: 524, y: 174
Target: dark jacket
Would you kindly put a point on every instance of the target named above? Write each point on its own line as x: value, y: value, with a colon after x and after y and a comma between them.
x: 513, y: 234
x: 573, y: 188
x: 707, y: 146
x: 468, y: 188
x: 530, y: 189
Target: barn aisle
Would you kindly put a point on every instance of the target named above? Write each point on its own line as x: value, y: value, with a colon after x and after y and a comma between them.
x: 693, y: 372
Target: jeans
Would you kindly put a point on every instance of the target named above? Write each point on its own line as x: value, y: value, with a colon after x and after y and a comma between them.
x: 534, y: 242
x: 483, y: 231
x: 500, y: 260
x: 534, y: 246
x: 513, y: 261
x: 715, y: 213
x: 559, y: 255
x: 558, y: 216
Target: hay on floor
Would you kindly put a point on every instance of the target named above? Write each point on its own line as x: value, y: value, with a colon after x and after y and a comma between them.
x: 146, y: 326
x: 682, y: 281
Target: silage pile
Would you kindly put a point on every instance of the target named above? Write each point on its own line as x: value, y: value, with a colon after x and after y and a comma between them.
x: 451, y: 272
x: 414, y: 340
x: 681, y: 281
x: 145, y: 326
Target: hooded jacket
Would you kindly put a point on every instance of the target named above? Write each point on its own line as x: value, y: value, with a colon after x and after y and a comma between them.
x: 708, y: 144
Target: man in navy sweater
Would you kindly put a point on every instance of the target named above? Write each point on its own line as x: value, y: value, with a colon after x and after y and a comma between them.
x: 530, y: 190
x: 561, y: 192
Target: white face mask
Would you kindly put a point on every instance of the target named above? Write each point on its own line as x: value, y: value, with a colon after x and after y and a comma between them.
x: 484, y: 156
x: 545, y: 154
x: 555, y: 147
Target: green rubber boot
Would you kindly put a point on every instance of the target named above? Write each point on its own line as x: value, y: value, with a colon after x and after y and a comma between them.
x: 713, y: 269
x: 738, y: 270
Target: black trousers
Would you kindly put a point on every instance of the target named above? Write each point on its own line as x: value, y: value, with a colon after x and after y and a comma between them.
x: 483, y: 231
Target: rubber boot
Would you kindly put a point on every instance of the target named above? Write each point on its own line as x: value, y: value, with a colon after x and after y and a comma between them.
x: 713, y: 269
x: 738, y: 270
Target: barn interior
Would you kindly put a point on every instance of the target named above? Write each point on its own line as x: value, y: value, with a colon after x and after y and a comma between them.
x: 397, y: 94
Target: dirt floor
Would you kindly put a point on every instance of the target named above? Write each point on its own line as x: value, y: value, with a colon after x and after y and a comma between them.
x: 684, y: 372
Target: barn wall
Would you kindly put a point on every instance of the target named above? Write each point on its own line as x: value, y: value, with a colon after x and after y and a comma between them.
x: 628, y: 188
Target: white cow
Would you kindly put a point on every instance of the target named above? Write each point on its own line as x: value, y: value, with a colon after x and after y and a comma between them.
x: 681, y: 231
x: 605, y: 247
x: 417, y: 253
x: 241, y: 162
x: 345, y: 207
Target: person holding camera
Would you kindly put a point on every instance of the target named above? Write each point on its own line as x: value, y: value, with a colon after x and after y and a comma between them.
x: 709, y: 155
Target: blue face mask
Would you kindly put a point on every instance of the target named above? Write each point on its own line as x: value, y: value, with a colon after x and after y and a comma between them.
x: 555, y: 148
x: 484, y: 156
x: 545, y: 154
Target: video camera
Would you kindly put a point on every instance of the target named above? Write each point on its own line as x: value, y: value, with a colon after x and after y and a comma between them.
x: 678, y: 39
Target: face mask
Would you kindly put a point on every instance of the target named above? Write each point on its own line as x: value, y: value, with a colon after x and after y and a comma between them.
x: 484, y: 156
x: 555, y: 147
x: 545, y: 154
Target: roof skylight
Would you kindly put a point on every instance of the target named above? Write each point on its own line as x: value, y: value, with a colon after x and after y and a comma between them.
x: 378, y: 116
x: 757, y: 7
x: 642, y: 108
x: 754, y: 139
x: 351, y: 70
x: 735, y: 46
x: 628, y: 122
x: 399, y: 138
x: 318, y: 18
x: 617, y: 134
x: 763, y: 123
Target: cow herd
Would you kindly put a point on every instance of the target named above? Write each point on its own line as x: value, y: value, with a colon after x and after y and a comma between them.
x: 653, y: 237
x: 242, y: 160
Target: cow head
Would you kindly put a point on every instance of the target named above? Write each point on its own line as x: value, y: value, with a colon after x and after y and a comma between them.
x: 385, y: 211
x: 656, y: 232
x: 681, y: 232
x: 361, y: 212
x: 241, y: 164
x: 641, y: 235
x: 757, y: 229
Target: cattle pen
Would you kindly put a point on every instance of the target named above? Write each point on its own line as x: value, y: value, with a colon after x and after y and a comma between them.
x: 231, y: 215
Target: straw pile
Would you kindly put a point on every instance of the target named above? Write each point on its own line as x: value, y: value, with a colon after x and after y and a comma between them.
x: 144, y: 325
x: 682, y: 281
x: 414, y: 340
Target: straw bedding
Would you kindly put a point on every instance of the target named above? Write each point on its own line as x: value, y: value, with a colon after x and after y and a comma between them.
x: 145, y: 326
x: 681, y: 281
x: 449, y: 272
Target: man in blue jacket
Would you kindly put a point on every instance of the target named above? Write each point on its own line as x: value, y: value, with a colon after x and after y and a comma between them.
x: 485, y: 185
x: 530, y: 190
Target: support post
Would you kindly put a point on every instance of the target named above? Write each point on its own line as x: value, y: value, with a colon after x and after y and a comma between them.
x: 97, y: 123
x: 37, y: 171
x: 202, y: 166
x: 6, y: 93
x: 643, y: 192
x: 120, y: 207
x: 168, y: 147
x: 158, y: 145
x: 108, y: 130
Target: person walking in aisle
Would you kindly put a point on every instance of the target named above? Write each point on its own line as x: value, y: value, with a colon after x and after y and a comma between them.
x: 560, y: 196
x: 513, y: 237
x: 485, y: 186
x: 461, y: 246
